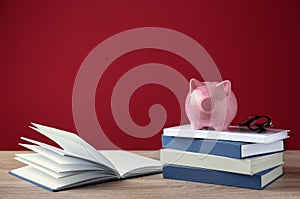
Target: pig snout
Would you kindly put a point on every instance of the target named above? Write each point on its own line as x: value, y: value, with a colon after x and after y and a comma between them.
x: 207, y: 105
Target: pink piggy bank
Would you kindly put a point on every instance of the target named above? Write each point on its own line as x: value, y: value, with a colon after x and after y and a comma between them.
x: 210, y: 104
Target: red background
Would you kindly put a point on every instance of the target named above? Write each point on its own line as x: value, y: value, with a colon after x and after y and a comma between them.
x: 255, y: 44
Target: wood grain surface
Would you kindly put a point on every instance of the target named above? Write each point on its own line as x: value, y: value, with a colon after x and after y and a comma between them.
x: 153, y: 186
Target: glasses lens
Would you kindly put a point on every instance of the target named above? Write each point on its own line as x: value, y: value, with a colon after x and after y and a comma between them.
x: 259, y: 122
x: 247, y: 121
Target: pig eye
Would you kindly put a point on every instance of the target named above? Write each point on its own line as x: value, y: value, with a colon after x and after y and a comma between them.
x: 257, y: 123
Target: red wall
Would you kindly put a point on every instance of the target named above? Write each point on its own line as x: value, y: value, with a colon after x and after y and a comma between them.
x: 255, y: 44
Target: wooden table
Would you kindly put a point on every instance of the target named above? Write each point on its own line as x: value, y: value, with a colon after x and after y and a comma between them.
x: 153, y: 186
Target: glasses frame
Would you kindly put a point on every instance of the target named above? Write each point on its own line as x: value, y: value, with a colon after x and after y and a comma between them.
x: 259, y: 128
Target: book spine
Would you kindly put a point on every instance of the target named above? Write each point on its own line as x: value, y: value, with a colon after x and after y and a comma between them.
x: 211, y: 176
x: 197, y: 145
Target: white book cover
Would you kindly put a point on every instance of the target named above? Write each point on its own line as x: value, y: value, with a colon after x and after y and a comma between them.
x: 233, y: 133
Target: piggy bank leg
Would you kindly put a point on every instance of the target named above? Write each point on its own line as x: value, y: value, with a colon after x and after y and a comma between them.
x: 221, y: 128
x: 196, y: 126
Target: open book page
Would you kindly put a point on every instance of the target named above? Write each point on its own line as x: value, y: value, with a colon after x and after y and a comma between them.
x: 129, y: 164
x: 62, y: 157
x: 47, y: 170
x: 42, y: 179
x: 59, y: 158
x: 38, y: 159
x: 73, y: 144
x: 46, y: 146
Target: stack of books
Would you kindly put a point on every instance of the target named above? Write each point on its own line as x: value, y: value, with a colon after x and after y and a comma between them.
x: 237, y: 157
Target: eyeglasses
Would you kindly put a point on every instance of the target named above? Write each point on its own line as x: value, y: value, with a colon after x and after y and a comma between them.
x: 257, y: 123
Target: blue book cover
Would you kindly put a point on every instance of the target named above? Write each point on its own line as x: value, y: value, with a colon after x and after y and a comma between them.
x: 231, y: 149
x: 256, y: 181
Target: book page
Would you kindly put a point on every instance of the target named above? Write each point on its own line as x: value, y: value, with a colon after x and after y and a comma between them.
x: 47, y: 170
x: 66, y: 157
x: 54, y: 156
x: 126, y: 162
x: 73, y: 144
x: 42, y: 179
x: 38, y: 159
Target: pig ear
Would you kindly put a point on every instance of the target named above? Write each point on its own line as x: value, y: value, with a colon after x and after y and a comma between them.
x: 194, y: 84
x: 226, y: 86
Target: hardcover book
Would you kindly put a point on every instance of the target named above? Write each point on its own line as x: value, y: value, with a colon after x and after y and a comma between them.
x: 232, y: 134
x: 77, y: 163
x: 257, y: 181
x: 221, y: 147
x: 248, y: 166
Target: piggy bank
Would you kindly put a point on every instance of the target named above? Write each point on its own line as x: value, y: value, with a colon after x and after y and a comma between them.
x: 210, y: 105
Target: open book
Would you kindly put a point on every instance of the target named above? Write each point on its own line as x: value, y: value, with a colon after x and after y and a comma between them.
x: 77, y: 163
